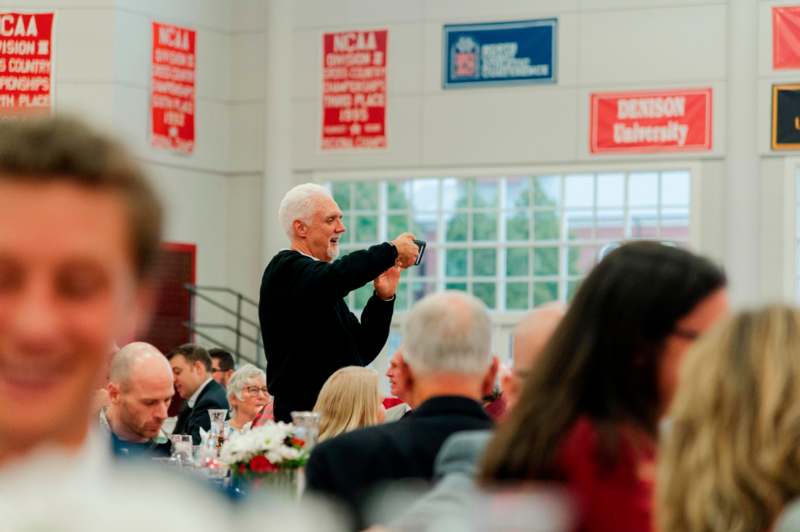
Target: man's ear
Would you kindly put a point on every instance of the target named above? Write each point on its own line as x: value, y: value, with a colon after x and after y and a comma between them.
x: 300, y: 228
x: 489, y: 379
x: 113, y: 392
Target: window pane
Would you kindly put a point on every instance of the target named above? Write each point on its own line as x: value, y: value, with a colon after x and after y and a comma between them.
x: 610, y: 224
x: 424, y: 227
x: 545, y: 225
x: 545, y: 261
x: 644, y: 224
x: 518, y: 192
x: 429, y: 266
x: 484, y: 262
x: 675, y: 188
x: 544, y: 292
x: 547, y: 191
x: 643, y: 189
x: 454, y: 194
x: 425, y: 194
x: 396, y: 224
x: 486, y: 292
x: 366, y: 228
x: 517, y: 296
x: 366, y: 196
x: 579, y: 190
x: 484, y: 193
x: 420, y: 289
x: 581, y: 259
x: 401, y: 303
x: 456, y: 263
x: 517, y: 225
x: 456, y: 227
x: 517, y: 262
x: 579, y: 225
x: 462, y: 287
x: 341, y: 194
x: 610, y: 190
x: 484, y: 226
x: 397, y: 194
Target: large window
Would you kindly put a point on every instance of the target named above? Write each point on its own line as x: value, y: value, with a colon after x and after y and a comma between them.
x: 513, y: 241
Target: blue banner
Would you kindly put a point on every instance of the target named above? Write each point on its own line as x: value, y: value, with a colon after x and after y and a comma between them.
x: 499, y: 53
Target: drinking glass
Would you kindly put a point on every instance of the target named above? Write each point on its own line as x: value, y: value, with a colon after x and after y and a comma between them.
x: 306, y: 427
x: 217, y: 416
x: 182, y: 448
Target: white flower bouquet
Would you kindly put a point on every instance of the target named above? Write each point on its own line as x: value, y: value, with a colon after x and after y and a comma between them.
x: 263, y: 450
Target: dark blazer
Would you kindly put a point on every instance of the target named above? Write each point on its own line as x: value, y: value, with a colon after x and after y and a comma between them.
x: 191, y: 419
x: 349, y: 466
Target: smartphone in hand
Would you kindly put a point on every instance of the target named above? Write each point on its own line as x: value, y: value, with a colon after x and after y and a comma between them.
x: 421, y: 244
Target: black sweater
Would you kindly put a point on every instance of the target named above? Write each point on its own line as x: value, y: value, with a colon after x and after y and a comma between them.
x: 308, y: 330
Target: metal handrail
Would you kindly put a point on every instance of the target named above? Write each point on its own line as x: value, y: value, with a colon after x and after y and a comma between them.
x: 192, y: 325
x: 196, y: 287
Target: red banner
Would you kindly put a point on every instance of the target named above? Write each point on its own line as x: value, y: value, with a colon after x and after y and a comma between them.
x: 172, y: 88
x: 651, y: 121
x: 786, y: 37
x: 25, y: 63
x: 354, y: 90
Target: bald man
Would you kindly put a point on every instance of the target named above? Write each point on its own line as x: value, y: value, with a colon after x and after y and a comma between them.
x: 530, y: 337
x: 140, y: 389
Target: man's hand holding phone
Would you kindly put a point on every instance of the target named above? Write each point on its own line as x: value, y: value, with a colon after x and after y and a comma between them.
x: 407, y: 250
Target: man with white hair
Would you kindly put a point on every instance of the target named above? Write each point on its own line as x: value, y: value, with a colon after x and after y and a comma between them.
x: 449, y: 366
x: 308, y: 331
x: 140, y: 389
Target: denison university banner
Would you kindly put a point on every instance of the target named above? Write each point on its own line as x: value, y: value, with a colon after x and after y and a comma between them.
x: 651, y: 121
x: 172, y: 98
x: 354, y: 89
x: 25, y: 63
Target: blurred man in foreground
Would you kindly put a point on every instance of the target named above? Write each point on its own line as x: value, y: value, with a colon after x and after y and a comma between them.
x: 140, y: 391
x: 79, y: 228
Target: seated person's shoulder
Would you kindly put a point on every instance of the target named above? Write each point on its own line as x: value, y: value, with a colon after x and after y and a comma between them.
x: 461, y: 451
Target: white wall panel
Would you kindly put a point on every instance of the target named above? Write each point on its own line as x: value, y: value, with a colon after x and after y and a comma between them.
x: 485, y: 126
x: 373, y: 13
x: 307, y: 64
x: 249, y: 15
x: 460, y: 10
x: 248, y: 72
x: 83, y: 44
x: 654, y: 45
x: 244, y: 234
x: 595, y: 5
x: 247, y: 122
x: 89, y: 101
x: 210, y: 14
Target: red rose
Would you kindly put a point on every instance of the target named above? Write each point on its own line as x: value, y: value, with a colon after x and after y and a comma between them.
x: 242, y: 469
x: 260, y: 464
x: 297, y: 442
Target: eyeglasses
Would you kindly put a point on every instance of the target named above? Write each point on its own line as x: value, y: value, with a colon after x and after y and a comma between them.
x: 253, y: 390
x: 216, y: 370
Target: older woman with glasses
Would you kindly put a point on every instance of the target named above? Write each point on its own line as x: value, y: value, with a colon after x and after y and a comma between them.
x: 248, y: 397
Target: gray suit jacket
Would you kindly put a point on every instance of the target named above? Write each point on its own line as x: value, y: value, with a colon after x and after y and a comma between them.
x: 447, y: 506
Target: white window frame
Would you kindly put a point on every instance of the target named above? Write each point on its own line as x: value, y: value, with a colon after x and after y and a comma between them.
x: 504, y: 321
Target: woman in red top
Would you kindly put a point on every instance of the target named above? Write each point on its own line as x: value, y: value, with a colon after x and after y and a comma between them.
x: 588, y: 415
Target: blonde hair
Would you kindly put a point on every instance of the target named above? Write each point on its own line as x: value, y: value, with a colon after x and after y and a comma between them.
x: 731, y: 458
x: 349, y: 399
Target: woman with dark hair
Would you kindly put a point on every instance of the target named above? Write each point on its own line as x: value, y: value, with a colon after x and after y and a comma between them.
x: 588, y: 415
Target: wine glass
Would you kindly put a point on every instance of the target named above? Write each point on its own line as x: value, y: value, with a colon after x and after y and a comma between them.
x: 306, y: 427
